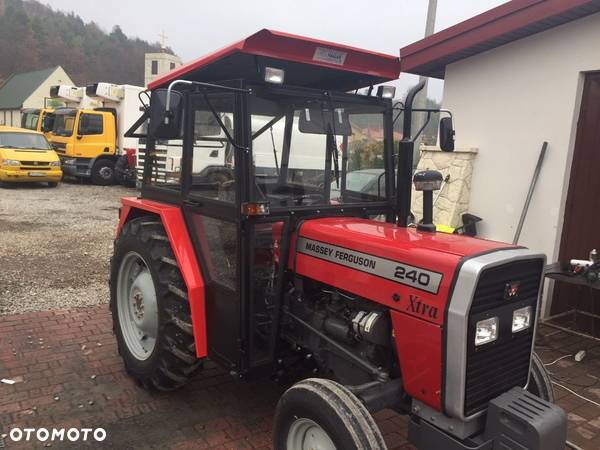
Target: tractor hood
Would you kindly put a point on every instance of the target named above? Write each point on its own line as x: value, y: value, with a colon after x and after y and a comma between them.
x: 383, y: 262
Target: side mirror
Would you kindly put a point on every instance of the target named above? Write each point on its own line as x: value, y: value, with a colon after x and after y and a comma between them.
x: 165, y: 124
x: 446, y: 134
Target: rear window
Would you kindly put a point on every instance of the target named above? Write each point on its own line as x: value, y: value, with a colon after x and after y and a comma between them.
x: 24, y: 141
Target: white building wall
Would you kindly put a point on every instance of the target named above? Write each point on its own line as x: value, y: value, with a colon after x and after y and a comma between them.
x: 38, y: 97
x: 506, y: 102
x: 165, y: 62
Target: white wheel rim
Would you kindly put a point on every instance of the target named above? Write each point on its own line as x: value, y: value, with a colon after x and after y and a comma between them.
x: 136, y: 306
x: 305, y: 434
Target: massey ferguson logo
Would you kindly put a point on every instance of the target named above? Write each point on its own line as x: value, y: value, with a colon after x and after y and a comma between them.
x: 511, y: 290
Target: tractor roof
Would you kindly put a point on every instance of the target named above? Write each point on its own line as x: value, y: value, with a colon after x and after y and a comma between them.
x: 307, y: 62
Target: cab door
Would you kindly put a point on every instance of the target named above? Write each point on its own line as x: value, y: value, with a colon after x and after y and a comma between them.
x: 211, y: 210
x: 95, y: 134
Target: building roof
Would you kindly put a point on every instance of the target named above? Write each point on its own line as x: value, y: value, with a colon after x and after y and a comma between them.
x: 18, y: 87
x: 307, y: 62
x: 508, y: 22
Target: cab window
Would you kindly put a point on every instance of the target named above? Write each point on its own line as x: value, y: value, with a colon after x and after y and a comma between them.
x: 90, y: 124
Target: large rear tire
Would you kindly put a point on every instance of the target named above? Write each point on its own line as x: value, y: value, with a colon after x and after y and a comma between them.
x: 150, y: 309
x: 323, y: 414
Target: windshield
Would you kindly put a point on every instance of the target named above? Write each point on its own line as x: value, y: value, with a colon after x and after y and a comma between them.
x: 29, y: 120
x: 25, y: 141
x: 321, y: 151
x: 63, y: 124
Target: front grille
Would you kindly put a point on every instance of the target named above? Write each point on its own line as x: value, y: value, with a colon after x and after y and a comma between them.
x: 35, y: 163
x: 503, y: 364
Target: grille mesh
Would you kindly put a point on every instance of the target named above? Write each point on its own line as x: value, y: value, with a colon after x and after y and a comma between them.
x: 495, y: 368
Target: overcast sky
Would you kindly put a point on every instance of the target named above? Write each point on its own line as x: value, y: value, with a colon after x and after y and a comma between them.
x: 197, y: 27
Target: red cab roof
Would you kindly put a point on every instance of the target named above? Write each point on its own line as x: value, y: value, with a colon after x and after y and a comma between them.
x: 307, y: 62
x: 508, y: 22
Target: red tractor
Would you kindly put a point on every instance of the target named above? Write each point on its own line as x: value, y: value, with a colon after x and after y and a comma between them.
x: 255, y: 243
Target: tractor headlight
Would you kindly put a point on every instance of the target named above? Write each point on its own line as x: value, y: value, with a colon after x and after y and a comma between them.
x: 486, y: 331
x: 55, y: 164
x: 10, y: 162
x: 521, y: 319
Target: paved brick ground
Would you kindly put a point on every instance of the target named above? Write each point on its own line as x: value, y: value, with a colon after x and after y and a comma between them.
x: 73, y: 377
x: 69, y: 375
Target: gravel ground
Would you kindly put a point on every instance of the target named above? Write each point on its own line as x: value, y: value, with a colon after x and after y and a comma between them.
x: 55, y: 245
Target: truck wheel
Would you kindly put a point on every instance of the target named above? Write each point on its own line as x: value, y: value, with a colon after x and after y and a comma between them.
x: 150, y: 309
x: 103, y: 172
x: 318, y: 413
x: 540, y: 383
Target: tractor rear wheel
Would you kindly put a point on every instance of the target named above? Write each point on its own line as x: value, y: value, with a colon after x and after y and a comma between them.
x: 150, y: 309
x: 323, y: 414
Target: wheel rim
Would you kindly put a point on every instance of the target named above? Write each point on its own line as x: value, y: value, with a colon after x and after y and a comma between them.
x: 305, y: 434
x: 137, y: 306
x: 106, y: 172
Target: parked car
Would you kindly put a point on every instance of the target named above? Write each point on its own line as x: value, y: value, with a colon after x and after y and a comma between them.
x: 366, y: 181
x: 26, y: 156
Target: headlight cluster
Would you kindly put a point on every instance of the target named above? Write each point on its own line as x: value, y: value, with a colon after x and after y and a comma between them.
x: 487, y: 330
x: 55, y: 164
x: 9, y: 162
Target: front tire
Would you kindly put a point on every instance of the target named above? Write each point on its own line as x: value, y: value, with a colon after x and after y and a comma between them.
x: 540, y: 383
x: 103, y: 172
x: 319, y: 413
x: 150, y: 310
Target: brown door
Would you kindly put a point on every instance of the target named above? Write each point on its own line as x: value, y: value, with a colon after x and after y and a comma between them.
x: 581, y: 230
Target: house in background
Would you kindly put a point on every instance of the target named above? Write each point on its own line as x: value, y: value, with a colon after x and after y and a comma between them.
x: 515, y: 76
x: 28, y: 90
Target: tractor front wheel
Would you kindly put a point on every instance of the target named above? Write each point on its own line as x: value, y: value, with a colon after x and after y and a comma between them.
x: 318, y: 413
x: 150, y: 310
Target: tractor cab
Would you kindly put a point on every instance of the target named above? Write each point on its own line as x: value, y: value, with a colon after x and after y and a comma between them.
x: 271, y: 237
x: 255, y: 155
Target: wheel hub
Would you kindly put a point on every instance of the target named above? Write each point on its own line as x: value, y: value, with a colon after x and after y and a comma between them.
x: 137, y: 306
x: 306, y: 434
x: 105, y: 172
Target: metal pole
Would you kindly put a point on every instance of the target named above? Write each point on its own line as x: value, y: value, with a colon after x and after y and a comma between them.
x: 534, y: 179
x: 421, y: 100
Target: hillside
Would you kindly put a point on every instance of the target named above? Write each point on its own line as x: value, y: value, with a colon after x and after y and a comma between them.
x: 34, y: 36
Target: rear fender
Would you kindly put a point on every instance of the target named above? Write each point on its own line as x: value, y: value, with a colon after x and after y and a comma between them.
x: 181, y: 244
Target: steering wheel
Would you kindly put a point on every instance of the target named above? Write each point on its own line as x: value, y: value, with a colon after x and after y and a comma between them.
x: 316, y: 197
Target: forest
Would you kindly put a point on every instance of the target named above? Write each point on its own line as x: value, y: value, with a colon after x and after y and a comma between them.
x: 34, y: 36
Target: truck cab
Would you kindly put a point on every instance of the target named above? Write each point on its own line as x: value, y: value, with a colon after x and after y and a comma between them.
x: 85, y: 141
x: 38, y: 119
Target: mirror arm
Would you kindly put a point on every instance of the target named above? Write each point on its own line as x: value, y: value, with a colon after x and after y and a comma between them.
x: 196, y: 83
x: 221, y: 124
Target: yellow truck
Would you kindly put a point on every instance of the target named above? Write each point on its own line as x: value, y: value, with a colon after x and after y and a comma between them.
x: 26, y: 156
x: 38, y: 119
x: 91, y: 141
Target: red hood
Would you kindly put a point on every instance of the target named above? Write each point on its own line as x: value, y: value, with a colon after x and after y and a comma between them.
x: 387, y: 240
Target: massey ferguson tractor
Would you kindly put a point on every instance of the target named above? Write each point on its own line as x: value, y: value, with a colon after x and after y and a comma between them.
x: 270, y: 249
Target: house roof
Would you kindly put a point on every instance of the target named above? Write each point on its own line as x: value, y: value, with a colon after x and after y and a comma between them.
x: 508, y: 22
x: 18, y: 87
x: 307, y: 62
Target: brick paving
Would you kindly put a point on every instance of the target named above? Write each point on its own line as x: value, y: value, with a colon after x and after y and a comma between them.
x: 73, y: 377
x: 69, y: 374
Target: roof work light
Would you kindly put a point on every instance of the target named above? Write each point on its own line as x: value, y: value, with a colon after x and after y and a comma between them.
x: 273, y: 75
x: 386, y: 91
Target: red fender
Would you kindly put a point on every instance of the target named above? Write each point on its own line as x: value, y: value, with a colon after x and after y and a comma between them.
x: 179, y: 238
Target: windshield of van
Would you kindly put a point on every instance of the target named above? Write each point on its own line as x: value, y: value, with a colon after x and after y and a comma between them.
x: 63, y: 123
x: 29, y: 120
x: 23, y: 141
x: 318, y: 150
